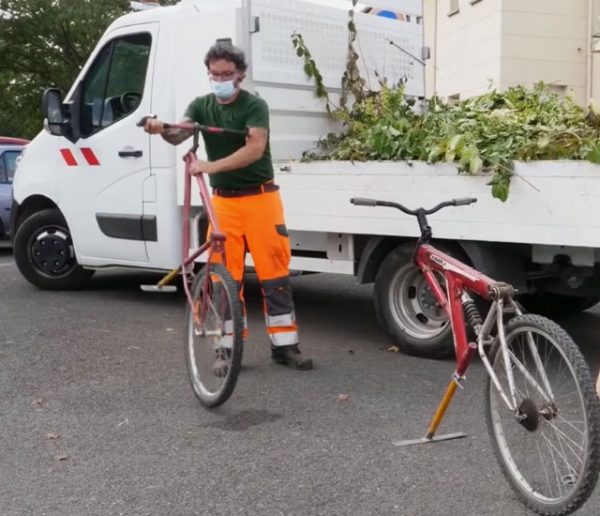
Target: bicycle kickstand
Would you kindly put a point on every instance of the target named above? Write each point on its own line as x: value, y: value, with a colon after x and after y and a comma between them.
x: 430, y: 436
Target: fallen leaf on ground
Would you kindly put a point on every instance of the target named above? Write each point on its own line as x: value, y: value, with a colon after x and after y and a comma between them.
x: 62, y: 457
x: 125, y: 422
x: 343, y: 397
x: 53, y: 435
x: 37, y: 402
x: 394, y: 349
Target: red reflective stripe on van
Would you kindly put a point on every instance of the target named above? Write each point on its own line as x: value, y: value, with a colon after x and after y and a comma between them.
x: 68, y: 157
x: 89, y: 156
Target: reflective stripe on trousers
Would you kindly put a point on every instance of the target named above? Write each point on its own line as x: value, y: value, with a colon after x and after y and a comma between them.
x: 279, y: 311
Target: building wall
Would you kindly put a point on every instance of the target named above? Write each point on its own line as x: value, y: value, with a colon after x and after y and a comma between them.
x: 546, y: 40
x: 466, y: 46
x: 501, y: 43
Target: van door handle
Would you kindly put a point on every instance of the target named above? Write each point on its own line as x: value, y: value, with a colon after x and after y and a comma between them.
x: 130, y: 154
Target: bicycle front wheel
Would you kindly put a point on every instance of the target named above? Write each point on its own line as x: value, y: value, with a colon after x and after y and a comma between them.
x: 214, y: 336
x: 548, y: 448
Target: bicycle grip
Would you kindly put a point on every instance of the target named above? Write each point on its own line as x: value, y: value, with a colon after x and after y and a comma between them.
x: 464, y: 201
x: 142, y: 121
x: 360, y: 201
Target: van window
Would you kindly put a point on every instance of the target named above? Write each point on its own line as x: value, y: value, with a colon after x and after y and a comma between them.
x: 114, y: 84
x: 8, y: 165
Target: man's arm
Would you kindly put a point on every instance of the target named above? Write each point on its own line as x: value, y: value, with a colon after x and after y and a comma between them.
x: 173, y: 136
x: 256, y: 143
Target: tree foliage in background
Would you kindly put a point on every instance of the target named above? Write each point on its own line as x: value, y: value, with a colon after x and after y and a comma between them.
x: 44, y: 44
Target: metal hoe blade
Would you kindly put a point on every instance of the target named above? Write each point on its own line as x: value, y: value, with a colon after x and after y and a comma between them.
x: 427, y: 440
x: 156, y: 288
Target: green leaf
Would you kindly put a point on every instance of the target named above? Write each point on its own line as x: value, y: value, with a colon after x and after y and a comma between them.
x: 500, y: 186
x: 455, y: 142
x: 594, y: 154
x: 475, y: 164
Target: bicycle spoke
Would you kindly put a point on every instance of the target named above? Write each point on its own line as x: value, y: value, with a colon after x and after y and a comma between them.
x: 543, y: 463
x: 562, y: 455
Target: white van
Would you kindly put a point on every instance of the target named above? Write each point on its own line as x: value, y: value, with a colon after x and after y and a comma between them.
x: 94, y: 190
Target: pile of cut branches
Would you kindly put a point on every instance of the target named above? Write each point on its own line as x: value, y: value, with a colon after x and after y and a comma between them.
x: 481, y: 134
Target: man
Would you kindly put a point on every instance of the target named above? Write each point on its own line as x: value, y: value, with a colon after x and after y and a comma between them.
x: 246, y: 200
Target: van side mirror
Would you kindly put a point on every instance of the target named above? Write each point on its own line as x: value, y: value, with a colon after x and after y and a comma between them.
x: 54, y: 113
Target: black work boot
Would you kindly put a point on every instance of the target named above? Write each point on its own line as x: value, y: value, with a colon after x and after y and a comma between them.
x: 290, y: 356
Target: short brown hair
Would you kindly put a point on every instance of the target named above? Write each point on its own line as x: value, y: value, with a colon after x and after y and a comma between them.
x: 227, y: 52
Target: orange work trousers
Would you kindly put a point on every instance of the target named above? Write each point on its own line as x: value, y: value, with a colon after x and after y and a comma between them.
x: 255, y: 224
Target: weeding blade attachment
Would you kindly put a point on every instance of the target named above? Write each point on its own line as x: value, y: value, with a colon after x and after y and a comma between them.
x: 156, y: 288
x: 428, y: 440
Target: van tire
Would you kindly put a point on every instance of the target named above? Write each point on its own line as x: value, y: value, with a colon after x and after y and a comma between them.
x: 45, y: 255
x: 406, y: 308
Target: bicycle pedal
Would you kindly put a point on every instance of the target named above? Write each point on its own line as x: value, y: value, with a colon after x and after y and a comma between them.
x: 155, y: 288
x: 428, y: 440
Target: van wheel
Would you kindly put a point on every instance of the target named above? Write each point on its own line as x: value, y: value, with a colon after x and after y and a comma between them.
x: 407, y: 309
x: 45, y: 255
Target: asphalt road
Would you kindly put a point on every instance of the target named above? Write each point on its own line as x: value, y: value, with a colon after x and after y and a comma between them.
x: 97, y: 417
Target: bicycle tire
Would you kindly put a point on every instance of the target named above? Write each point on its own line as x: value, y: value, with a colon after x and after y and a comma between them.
x: 541, y: 421
x: 201, y: 349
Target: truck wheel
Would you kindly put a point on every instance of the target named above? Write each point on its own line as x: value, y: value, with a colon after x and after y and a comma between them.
x: 407, y: 309
x: 45, y: 255
x: 556, y: 305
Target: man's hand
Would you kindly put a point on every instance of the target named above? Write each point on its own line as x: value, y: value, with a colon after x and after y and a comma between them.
x: 153, y: 126
x: 204, y: 167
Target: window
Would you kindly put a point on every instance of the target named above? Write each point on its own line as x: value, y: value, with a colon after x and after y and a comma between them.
x: 114, y: 84
x: 558, y: 89
x: 453, y: 8
x: 454, y: 99
x: 8, y: 165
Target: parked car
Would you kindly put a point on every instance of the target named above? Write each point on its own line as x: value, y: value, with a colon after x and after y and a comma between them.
x: 10, y: 150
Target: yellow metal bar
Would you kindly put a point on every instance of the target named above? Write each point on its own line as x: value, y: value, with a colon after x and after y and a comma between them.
x: 168, y: 278
x: 441, y: 410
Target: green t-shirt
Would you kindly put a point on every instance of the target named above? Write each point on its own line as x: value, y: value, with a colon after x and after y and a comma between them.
x: 246, y: 111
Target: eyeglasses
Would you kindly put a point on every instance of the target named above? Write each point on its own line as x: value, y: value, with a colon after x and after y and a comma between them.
x: 221, y: 76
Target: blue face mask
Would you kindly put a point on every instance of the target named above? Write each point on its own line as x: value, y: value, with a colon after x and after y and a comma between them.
x: 223, y: 90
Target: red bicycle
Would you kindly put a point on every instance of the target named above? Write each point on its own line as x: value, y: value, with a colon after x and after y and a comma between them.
x: 214, y: 315
x: 542, y: 411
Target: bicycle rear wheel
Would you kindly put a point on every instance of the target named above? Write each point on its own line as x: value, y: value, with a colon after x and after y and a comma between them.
x: 549, y: 450
x: 214, y: 336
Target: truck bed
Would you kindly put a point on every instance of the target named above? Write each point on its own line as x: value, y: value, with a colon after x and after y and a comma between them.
x: 550, y: 202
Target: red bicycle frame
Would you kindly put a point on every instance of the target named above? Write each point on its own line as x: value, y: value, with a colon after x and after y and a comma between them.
x: 216, y: 239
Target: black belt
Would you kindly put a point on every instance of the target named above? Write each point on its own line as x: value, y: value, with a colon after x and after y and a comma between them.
x: 242, y: 192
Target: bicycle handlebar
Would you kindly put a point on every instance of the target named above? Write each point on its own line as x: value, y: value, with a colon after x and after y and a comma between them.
x: 463, y: 201
x: 193, y: 127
